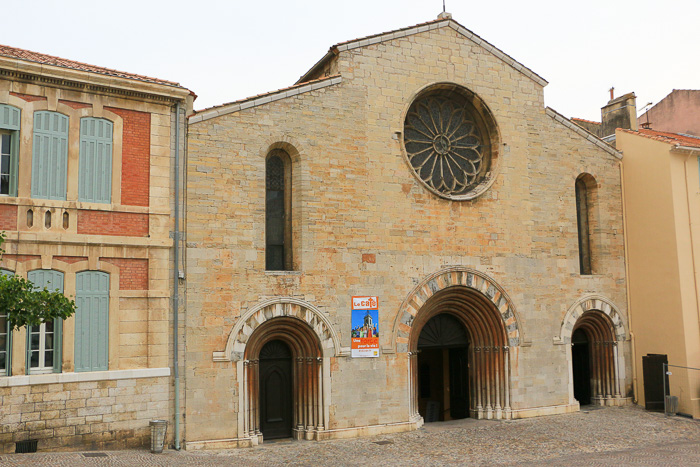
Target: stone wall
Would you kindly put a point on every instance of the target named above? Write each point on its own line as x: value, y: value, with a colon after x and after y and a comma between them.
x: 354, y: 197
x: 106, y: 414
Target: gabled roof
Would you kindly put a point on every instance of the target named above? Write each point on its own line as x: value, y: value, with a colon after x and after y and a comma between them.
x: 260, y: 99
x: 583, y: 132
x: 676, y: 139
x: 29, y: 56
x: 419, y: 28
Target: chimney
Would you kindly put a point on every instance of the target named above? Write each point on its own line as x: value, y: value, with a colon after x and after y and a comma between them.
x: 619, y: 113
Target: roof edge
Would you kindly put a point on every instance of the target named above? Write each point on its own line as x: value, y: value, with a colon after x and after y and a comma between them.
x: 419, y: 28
x: 583, y: 132
x: 261, y: 99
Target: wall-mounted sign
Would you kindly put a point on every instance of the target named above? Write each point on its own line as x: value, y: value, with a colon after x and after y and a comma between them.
x: 365, y: 327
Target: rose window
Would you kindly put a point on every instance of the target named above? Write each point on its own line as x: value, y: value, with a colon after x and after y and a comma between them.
x: 446, y: 144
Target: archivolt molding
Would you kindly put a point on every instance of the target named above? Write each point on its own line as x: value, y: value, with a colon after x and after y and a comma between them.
x: 455, y: 277
x: 591, y: 303
x: 274, y: 308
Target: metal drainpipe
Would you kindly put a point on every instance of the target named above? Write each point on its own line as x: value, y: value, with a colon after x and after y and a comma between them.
x: 176, y: 277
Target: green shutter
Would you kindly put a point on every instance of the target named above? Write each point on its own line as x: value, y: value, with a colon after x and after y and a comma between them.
x: 92, y: 321
x: 49, y: 155
x: 7, y: 371
x: 9, y: 117
x: 95, y: 168
x: 51, y: 280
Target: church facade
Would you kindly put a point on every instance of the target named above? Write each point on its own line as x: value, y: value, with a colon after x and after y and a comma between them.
x: 420, y: 167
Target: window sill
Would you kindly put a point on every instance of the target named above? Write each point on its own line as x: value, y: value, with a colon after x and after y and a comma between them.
x: 283, y: 273
x: 54, y: 378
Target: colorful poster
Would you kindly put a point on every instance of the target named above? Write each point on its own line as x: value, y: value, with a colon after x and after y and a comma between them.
x: 365, y: 327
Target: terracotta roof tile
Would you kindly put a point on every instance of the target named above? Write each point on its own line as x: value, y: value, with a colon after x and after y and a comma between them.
x: 390, y: 32
x: 666, y: 137
x: 584, y: 120
x: 29, y: 56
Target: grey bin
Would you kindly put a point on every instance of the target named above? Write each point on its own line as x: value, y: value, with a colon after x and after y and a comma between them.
x: 671, y: 405
x: 158, y: 430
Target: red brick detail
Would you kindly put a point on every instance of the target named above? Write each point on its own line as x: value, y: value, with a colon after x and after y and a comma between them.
x: 128, y: 224
x: 75, y: 105
x: 369, y: 258
x: 136, y: 152
x: 20, y: 258
x: 70, y: 259
x: 28, y: 97
x: 133, y: 273
x: 8, y: 217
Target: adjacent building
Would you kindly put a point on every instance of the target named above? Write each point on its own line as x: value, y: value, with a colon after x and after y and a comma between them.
x: 86, y: 200
x: 662, y: 199
x: 421, y: 167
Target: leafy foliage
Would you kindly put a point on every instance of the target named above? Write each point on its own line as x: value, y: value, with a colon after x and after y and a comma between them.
x: 26, y: 305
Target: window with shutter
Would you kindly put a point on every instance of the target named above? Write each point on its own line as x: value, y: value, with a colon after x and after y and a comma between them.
x: 92, y: 321
x: 9, y: 149
x: 95, y: 166
x: 49, y: 155
x: 5, y: 338
x: 44, y: 341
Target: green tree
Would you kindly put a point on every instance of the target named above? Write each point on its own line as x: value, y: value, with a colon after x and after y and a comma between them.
x: 26, y: 305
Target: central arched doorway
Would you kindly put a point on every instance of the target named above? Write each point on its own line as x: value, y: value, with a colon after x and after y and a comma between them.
x: 464, y: 345
x: 443, y: 369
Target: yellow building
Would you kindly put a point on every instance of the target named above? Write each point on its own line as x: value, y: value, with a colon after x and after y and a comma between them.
x: 86, y: 200
x: 662, y: 200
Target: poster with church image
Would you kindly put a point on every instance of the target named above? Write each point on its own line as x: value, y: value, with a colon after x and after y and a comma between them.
x: 365, y: 327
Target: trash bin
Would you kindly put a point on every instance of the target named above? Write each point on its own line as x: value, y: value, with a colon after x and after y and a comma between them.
x: 671, y: 405
x: 158, y: 430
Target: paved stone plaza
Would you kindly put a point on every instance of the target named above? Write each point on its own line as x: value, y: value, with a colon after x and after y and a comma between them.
x: 605, y: 436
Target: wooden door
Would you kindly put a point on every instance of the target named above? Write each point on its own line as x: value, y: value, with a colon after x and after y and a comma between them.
x: 276, y: 392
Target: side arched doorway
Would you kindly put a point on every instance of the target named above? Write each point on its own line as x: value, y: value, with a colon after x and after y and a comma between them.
x: 467, y: 329
x: 283, y: 381
x: 594, y: 359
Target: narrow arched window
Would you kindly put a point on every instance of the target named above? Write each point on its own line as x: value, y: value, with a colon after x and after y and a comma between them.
x: 278, y: 238
x: 585, y: 199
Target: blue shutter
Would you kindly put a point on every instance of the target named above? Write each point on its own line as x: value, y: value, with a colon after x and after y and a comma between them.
x: 92, y: 321
x: 51, y: 280
x: 49, y: 155
x: 5, y: 338
x: 95, y: 168
x: 9, y: 117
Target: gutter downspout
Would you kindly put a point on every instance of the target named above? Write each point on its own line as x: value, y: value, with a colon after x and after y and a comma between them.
x: 690, y: 224
x: 176, y: 277
x: 627, y: 285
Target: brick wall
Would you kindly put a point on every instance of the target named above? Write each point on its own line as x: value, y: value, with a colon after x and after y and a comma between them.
x: 112, y: 223
x: 28, y: 97
x: 95, y: 414
x: 133, y: 273
x: 136, y: 150
x: 70, y: 259
x: 20, y: 258
x: 75, y: 105
x: 8, y: 217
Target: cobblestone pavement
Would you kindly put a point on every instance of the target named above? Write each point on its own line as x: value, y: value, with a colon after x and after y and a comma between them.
x: 605, y: 436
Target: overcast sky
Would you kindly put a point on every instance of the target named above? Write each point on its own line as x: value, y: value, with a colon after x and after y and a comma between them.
x: 228, y: 50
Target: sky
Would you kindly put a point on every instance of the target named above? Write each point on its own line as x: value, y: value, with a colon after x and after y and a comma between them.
x: 229, y: 50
